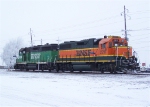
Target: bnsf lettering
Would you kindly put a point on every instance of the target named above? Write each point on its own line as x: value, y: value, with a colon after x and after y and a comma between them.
x: 83, y: 52
x: 35, y: 56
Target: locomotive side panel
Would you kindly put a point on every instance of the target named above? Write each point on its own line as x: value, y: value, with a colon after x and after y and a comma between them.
x: 39, y: 57
x: 110, y: 54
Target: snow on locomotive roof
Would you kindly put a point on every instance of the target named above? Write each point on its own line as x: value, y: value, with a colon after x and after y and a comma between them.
x: 69, y: 41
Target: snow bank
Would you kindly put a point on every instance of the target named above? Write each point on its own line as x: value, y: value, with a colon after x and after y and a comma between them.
x: 73, y: 89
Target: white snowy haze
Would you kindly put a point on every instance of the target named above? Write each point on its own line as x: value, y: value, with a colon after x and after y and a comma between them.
x: 10, y: 51
x: 54, y: 21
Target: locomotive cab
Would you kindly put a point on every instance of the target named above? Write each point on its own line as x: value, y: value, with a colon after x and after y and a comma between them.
x: 117, y: 50
x: 115, y: 46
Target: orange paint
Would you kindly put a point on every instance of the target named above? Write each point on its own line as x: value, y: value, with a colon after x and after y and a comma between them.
x: 106, y: 47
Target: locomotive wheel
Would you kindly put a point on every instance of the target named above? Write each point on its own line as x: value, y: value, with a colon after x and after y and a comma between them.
x: 42, y: 67
x: 102, y: 70
x: 71, y: 68
x: 114, y: 70
x: 111, y: 68
x: 49, y: 70
x: 125, y: 72
x: 27, y: 69
x: 63, y: 68
x: 57, y: 68
x: 21, y: 68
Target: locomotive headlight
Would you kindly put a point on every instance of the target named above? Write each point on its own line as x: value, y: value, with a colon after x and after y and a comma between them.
x: 116, y: 44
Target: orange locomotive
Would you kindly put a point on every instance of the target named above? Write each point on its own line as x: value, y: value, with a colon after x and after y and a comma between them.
x: 109, y: 54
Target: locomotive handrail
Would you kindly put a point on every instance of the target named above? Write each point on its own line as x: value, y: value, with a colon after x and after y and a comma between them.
x: 117, y: 55
x: 120, y: 60
x: 55, y: 60
x: 38, y: 64
x: 125, y: 61
x: 50, y: 62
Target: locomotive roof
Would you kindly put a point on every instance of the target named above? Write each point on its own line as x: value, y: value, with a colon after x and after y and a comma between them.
x: 84, y: 40
x: 38, y: 46
x: 105, y: 40
x: 86, y: 43
x: 109, y: 38
x: 21, y: 49
x: 46, y: 45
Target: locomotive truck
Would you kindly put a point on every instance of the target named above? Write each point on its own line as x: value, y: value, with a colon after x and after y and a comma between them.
x: 108, y: 54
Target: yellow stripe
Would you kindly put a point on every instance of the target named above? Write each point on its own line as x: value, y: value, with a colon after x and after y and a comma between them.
x: 90, y: 61
x: 97, y: 48
x: 89, y: 56
x: 122, y: 47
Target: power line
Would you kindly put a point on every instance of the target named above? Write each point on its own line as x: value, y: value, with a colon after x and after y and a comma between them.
x: 85, y: 28
x: 141, y: 35
x: 141, y: 42
x: 137, y: 12
x: 88, y: 27
x: 88, y: 23
x: 141, y: 18
x: 85, y: 23
x: 142, y: 50
x: 83, y: 36
x: 141, y: 47
x: 141, y: 29
x: 135, y: 40
x: 139, y: 23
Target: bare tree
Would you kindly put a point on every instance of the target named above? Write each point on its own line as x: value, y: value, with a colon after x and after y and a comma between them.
x: 10, y: 50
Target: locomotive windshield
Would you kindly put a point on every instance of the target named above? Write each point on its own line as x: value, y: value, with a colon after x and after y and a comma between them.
x: 117, y: 42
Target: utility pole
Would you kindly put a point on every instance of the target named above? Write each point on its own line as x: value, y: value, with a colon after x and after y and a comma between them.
x: 31, y: 36
x: 125, y: 27
x: 58, y: 40
x: 41, y: 41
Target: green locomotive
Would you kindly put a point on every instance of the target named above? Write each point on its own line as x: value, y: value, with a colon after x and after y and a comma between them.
x: 41, y: 57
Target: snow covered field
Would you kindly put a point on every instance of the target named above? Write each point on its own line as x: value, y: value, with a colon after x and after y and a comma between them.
x: 73, y: 89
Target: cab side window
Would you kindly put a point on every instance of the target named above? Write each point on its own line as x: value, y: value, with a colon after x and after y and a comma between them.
x: 103, y: 46
x: 121, y: 44
x: 110, y: 44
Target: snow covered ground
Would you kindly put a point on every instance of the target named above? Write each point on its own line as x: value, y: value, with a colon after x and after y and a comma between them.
x: 73, y: 89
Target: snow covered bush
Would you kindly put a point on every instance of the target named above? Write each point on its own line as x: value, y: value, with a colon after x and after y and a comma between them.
x: 10, y: 50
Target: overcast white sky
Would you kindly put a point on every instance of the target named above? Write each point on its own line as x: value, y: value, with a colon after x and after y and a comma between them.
x: 75, y: 20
